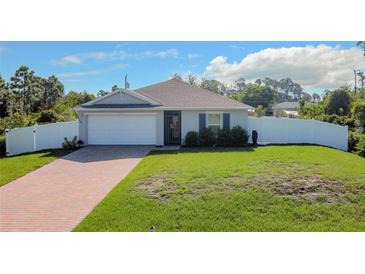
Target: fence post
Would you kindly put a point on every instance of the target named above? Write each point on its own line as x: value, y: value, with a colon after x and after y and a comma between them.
x: 34, y: 138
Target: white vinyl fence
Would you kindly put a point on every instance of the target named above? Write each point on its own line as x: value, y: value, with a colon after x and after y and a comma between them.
x: 39, y: 137
x: 298, y: 131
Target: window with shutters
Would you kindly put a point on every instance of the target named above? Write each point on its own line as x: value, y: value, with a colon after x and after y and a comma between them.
x: 214, y: 121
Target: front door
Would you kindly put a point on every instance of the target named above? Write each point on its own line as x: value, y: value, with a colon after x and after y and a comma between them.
x: 172, y: 128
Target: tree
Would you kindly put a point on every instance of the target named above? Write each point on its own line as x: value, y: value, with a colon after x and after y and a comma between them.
x: 358, y: 112
x: 115, y: 88
x: 53, y: 90
x: 213, y: 85
x: 47, y: 116
x: 192, y: 80
x: 306, y: 97
x: 5, y: 98
x: 260, y: 111
x: 176, y: 76
x: 338, y: 102
x: 27, y: 88
x: 240, y: 84
x: 102, y: 93
x: 255, y: 95
x: 316, y: 97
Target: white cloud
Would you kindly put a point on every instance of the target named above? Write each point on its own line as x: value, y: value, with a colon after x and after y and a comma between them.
x: 160, y: 54
x: 236, y: 47
x: 193, y: 55
x: 321, y: 67
x: 68, y: 60
x: 80, y: 58
x: 79, y: 74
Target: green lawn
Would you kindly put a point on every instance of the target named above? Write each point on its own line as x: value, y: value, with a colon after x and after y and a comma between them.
x: 17, y: 166
x: 273, y: 188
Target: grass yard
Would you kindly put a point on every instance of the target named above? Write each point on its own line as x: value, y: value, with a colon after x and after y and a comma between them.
x: 17, y: 166
x: 273, y: 188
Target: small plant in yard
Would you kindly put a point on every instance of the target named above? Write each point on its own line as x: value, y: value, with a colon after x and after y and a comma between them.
x: 68, y: 145
x: 192, y: 139
x: 239, y: 136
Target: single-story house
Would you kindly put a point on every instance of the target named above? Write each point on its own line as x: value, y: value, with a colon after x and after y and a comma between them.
x: 160, y: 114
x: 289, y: 109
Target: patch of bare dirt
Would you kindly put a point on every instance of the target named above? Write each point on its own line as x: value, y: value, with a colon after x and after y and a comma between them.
x: 313, y: 188
x: 158, y: 187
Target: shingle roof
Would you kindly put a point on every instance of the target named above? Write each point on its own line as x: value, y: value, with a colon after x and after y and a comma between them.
x: 287, y: 105
x: 178, y: 94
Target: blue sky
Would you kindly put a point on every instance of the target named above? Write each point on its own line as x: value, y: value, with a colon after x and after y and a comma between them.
x: 93, y: 66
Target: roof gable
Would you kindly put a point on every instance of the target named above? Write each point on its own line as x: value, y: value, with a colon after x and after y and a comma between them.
x: 120, y: 98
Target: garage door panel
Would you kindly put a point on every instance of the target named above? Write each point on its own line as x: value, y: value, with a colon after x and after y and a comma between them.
x: 122, y: 129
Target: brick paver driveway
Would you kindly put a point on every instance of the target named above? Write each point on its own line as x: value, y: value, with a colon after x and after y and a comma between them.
x: 58, y: 196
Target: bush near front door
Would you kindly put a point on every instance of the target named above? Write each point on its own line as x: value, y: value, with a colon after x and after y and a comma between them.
x: 236, y: 137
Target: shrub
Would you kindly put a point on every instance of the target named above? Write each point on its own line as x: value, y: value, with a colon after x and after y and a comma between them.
x: 360, y: 146
x: 354, y: 138
x: 224, y: 138
x: 47, y: 116
x: 359, y: 114
x: 70, y: 144
x: 16, y: 120
x: 207, y: 137
x: 239, y: 136
x: 192, y: 139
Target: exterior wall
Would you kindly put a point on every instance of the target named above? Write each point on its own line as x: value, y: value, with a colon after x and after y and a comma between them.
x: 160, y: 129
x: 190, y: 120
x: 83, y: 127
x: 116, y: 99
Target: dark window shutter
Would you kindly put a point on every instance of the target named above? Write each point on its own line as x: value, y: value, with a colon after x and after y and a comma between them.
x: 201, y: 122
x: 226, y: 122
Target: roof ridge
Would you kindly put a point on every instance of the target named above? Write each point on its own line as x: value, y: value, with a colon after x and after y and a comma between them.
x: 156, y: 84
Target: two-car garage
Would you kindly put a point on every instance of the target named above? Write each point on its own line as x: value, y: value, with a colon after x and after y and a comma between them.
x: 121, y: 129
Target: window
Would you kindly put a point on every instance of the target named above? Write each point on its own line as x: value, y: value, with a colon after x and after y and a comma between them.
x: 214, y: 121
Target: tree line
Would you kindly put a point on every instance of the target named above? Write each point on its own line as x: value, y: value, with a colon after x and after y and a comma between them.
x: 261, y: 92
x: 28, y: 99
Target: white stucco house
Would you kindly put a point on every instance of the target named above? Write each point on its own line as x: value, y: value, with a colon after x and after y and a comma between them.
x: 160, y: 114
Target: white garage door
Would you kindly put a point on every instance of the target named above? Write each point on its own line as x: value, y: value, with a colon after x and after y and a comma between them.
x: 121, y: 129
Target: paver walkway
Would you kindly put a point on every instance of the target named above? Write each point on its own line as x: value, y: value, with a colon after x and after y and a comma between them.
x: 57, y: 196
